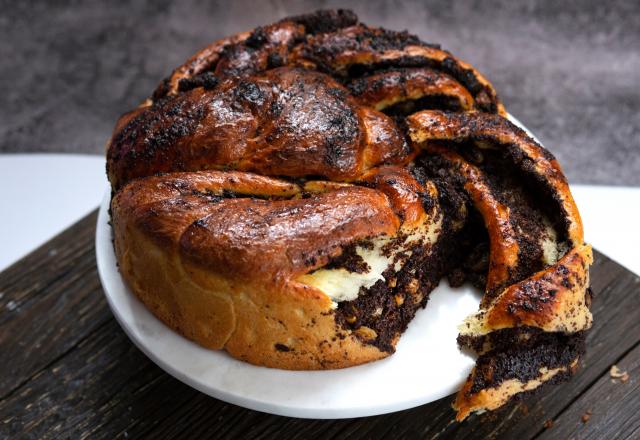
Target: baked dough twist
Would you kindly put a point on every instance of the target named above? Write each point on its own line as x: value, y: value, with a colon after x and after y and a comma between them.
x: 293, y: 194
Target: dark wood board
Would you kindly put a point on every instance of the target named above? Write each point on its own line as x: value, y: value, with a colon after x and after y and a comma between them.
x: 68, y: 370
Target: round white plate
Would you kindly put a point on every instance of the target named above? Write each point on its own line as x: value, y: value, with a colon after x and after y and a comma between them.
x: 427, y: 365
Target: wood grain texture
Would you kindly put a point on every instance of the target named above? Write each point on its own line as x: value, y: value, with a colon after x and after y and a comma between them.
x: 72, y: 372
x: 50, y: 300
x: 609, y: 409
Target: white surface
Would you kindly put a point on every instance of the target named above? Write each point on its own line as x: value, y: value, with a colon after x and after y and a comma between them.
x: 42, y: 194
x: 426, y: 366
x: 611, y: 217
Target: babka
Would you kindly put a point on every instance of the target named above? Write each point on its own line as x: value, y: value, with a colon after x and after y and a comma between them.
x: 293, y: 194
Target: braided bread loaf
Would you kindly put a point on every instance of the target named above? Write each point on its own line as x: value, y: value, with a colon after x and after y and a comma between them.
x: 293, y: 194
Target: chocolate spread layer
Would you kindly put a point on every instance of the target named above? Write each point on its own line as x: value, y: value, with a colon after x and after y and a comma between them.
x: 521, y: 353
x: 382, y: 313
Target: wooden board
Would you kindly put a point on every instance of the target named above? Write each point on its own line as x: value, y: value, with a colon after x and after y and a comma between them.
x: 68, y: 370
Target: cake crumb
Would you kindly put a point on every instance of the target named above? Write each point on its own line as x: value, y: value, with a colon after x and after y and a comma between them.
x: 625, y: 377
x: 548, y: 424
x: 586, y: 416
x: 616, y: 373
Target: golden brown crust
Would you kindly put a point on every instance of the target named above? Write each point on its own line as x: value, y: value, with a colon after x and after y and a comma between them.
x: 390, y: 87
x: 199, y: 62
x: 264, y: 239
x: 188, y: 250
x: 361, y: 47
x: 552, y: 299
x: 285, y: 121
x: 254, y: 51
x: 403, y: 192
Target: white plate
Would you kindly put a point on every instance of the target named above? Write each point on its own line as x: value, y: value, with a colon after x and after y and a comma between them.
x: 427, y: 364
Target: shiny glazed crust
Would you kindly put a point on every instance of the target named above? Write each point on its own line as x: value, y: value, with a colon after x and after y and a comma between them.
x: 212, y: 268
x: 238, y: 291
x: 294, y: 193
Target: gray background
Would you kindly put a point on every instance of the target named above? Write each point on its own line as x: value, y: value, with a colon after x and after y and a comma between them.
x: 569, y: 70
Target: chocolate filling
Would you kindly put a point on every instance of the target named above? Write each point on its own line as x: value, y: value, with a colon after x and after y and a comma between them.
x: 324, y: 21
x: 520, y: 353
x: 462, y: 255
x: 409, y: 106
x: 350, y: 260
x: 380, y: 314
x: 469, y: 248
x: 481, y: 93
x: 526, y: 217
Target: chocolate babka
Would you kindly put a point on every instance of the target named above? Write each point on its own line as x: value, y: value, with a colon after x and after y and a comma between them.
x: 293, y: 194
